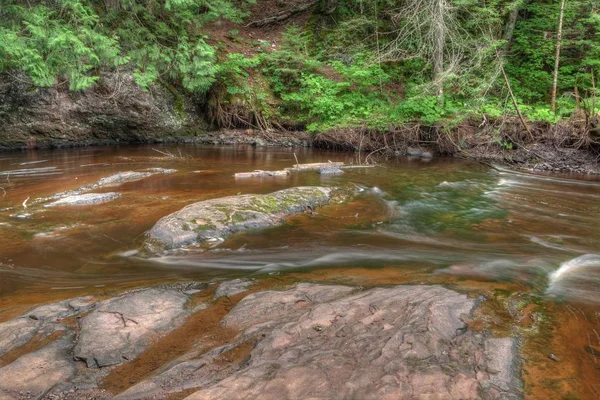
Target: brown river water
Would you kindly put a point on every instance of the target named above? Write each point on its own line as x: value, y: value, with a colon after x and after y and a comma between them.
x: 441, y: 221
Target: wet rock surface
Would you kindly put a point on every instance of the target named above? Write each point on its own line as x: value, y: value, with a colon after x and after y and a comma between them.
x: 55, y: 338
x: 307, y: 341
x: 42, y: 321
x: 38, y: 372
x: 120, y: 328
x: 218, y: 218
x: 401, y: 342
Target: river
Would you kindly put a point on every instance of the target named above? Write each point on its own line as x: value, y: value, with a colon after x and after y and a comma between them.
x: 440, y: 221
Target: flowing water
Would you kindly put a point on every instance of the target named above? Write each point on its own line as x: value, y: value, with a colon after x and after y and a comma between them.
x: 447, y: 219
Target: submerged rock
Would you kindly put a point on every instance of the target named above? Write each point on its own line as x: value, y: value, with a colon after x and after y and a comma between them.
x: 80, y: 196
x: 85, y: 199
x: 218, y: 218
x: 121, y: 328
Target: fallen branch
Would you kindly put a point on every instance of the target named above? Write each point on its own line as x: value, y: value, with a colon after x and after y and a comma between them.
x: 282, y: 16
x: 259, y: 174
x: 313, y: 166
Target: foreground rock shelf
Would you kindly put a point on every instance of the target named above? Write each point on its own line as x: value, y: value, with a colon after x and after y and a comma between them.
x: 306, y: 341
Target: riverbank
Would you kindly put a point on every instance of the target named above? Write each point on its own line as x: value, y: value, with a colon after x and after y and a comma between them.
x: 117, y: 112
x: 540, y: 156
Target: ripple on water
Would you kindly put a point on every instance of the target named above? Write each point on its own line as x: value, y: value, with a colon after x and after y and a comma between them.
x: 577, y: 279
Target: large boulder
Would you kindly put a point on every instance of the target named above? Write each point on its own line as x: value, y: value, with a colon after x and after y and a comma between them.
x: 217, y: 218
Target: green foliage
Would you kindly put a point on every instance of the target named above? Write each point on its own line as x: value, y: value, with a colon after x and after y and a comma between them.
x: 361, y: 66
x: 48, y: 46
x: 533, y: 53
x: 72, y: 39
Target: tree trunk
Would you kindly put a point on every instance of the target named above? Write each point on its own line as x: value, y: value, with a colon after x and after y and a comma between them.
x: 112, y: 4
x: 439, y: 43
x: 557, y: 56
x: 511, y: 22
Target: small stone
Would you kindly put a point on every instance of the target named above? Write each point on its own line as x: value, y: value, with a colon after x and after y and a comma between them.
x: 330, y: 170
x: 413, y: 152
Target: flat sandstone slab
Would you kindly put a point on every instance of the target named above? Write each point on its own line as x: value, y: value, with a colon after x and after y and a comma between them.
x: 402, y: 342
x: 122, y: 327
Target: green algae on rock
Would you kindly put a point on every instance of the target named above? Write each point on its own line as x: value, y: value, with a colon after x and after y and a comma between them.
x: 217, y: 218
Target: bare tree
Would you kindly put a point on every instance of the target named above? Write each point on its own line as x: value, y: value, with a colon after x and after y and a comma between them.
x: 557, y: 56
x: 425, y: 28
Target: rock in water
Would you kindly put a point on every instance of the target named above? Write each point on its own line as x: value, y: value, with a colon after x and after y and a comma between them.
x: 413, y: 152
x: 41, y: 321
x: 330, y: 170
x: 85, y: 199
x: 217, y: 218
x: 384, y: 343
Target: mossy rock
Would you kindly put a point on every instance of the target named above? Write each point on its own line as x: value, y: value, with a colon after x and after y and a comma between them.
x: 219, y: 218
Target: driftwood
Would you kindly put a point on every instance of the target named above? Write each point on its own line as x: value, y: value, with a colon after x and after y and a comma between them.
x: 261, y: 174
x: 313, y: 166
x: 323, y: 168
x: 357, y: 166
